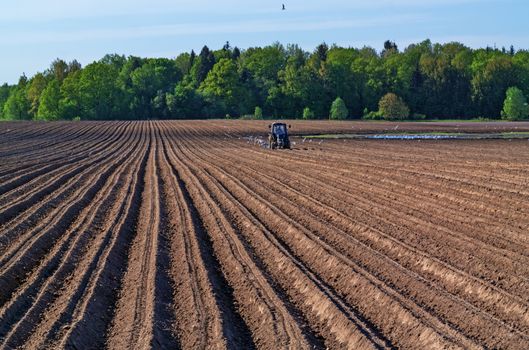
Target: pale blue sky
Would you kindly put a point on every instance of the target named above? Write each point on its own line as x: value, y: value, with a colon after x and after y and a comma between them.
x: 33, y: 33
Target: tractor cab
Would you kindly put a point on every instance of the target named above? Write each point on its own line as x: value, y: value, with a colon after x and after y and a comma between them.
x: 278, y: 136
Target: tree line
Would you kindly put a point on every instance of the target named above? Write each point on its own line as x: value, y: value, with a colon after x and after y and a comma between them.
x: 424, y: 80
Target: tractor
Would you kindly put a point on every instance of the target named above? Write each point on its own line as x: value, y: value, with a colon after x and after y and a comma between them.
x: 278, y: 136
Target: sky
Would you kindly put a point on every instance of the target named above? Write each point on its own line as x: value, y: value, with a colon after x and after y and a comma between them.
x: 34, y: 32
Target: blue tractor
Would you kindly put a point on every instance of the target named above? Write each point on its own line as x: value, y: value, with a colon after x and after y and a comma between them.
x: 278, y: 136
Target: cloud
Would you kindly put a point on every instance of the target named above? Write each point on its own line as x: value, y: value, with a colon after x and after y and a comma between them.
x: 50, y: 10
x: 205, y: 28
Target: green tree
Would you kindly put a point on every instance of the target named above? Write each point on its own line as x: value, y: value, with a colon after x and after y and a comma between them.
x: 368, y: 72
x: 17, y: 104
x: 74, y: 66
x: 444, y: 88
x: 259, y: 68
x: 321, y: 52
x: 389, y: 48
x: 59, y: 69
x: 149, y: 82
x: 70, y: 103
x: 115, y: 60
x: 521, y: 60
x: 185, y: 102
x: 225, y: 52
x: 275, y: 101
x: 308, y: 113
x: 439, y: 80
x: 202, y: 65
x: 258, y: 113
x: 393, y: 107
x: 184, y: 62
x: 338, y: 110
x: 300, y: 85
x: 49, y: 102
x: 494, y: 73
x: 99, y: 96
x: 222, y: 88
x: 515, y: 105
x: 128, y: 103
x: 294, y: 81
x: 236, y: 53
x: 338, y: 78
x: 4, y: 95
x: 36, y: 86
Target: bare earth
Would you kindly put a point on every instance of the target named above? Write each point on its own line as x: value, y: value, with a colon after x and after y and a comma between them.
x: 137, y: 235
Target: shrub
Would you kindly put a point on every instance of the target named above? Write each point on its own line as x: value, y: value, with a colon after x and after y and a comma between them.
x: 308, y: 114
x: 393, y: 107
x: 258, y: 113
x: 374, y: 115
x: 338, y: 110
x: 515, y: 105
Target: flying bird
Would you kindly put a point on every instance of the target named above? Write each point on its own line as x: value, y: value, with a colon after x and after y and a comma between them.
x: 284, y: 7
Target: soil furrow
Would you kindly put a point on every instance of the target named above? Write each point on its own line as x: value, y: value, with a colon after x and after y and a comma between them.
x: 234, y: 255
x: 354, y: 339
x: 483, y: 296
x: 63, y: 289
x: 19, y: 263
x: 133, y: 323
x: 188, y: 234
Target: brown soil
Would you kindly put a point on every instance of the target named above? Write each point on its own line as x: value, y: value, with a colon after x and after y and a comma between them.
x: 135, y: 235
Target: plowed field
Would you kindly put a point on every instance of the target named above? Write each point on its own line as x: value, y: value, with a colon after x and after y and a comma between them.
x: 137, y: 235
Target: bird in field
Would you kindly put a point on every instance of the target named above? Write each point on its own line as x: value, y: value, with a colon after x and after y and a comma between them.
x: 284, y: 7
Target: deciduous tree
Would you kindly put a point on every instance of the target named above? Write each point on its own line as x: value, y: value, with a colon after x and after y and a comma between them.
x: 515, y: 105
x: 393, y: 107
x: 222, y: 85
x: 49, y: 102
x: 308, y: 114
x: 338, y: 110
